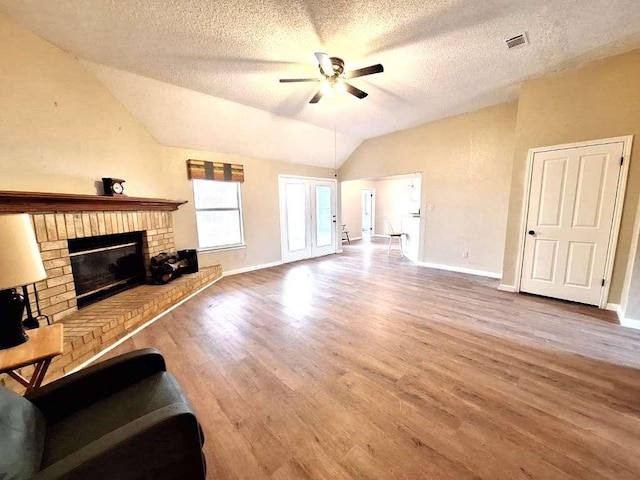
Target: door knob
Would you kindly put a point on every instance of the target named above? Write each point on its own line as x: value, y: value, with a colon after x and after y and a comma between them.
x: 532, y: 232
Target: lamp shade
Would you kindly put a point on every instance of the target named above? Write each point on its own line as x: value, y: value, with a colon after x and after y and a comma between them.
x: 20, y: 260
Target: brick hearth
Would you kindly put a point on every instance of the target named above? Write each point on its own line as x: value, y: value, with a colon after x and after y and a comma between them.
x: 96, y: 327
x: 57, y: 293
x: 89, y: 331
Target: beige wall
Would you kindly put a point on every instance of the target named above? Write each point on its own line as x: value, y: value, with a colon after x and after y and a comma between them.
x: 392, y: 202
x: 260, y: 204
x: 631, y: 303
x: 61, y: 131
x: 351, y: 205
x: 599, y: 100
x: 465, y: 163
x: 394, y: 205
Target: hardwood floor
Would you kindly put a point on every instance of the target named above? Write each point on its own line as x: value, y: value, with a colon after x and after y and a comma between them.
x: 360, y: 366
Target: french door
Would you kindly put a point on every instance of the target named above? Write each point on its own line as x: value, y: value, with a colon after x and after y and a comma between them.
x: 569, y: 224
x: 307, y: 217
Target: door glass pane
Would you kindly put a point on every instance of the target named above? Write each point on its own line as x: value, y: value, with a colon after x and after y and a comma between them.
x: 296, y: 216
x: 323, y: 216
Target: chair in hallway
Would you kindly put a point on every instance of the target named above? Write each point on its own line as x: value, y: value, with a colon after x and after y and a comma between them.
x: 394, y: 235
x: 345, y: 233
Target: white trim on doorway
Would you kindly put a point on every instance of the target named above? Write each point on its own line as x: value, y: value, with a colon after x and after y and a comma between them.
x: 624, y: 321
x: 617, y: 214
x: 372, y: 213
x: 312, y: 250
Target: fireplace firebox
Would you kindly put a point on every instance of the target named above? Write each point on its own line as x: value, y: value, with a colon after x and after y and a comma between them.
x: 105, y: 265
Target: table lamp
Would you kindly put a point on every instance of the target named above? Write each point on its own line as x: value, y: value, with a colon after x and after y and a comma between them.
x: 20, y: 264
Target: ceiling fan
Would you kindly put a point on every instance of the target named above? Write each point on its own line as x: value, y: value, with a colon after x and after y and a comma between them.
x: 333, y: 77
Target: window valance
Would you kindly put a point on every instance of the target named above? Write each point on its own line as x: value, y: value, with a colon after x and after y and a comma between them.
x: 223, y: 172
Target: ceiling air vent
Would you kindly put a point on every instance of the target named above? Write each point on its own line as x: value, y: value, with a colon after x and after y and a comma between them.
x: 517, y: 41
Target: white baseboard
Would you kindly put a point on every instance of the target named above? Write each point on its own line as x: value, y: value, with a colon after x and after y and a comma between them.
x: 140, y: 328
x: 470, y: 271
x: 614, y: 307
x: 630, y: 323
x: 251, y: 268
x: 353, y: 239
x: 412, y: 260
x: 625, y: 322
x: 378, y: 235
x: 507, y: 288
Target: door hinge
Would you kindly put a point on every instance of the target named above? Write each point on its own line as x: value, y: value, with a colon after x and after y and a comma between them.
x: 603, y: 282
x: 621, y: 161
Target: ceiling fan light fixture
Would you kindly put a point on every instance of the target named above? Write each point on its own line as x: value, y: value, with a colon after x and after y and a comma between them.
x: 339, y: 86
x: 332, y: 69
x: 327, y: 89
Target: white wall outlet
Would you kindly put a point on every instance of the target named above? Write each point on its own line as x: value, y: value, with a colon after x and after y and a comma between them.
x: 465, y: 254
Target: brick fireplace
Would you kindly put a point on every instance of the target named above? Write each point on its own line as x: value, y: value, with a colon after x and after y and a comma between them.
x: 53, y: 230
x: 58, y: 218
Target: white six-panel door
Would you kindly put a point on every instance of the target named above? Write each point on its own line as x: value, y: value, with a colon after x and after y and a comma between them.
x: 571, y: 206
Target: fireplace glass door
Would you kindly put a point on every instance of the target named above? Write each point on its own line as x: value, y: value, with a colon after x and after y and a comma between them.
x: 106, y: 265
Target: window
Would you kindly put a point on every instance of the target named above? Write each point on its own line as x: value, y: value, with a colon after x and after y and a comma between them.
x: 218, y: 214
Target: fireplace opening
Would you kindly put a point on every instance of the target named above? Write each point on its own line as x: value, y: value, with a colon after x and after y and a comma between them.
x: 105, y: 265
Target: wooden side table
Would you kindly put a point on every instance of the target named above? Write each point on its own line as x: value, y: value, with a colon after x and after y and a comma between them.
x: 43, y: 345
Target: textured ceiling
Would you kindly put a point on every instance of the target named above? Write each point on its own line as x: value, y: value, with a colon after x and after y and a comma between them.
x: 179, y: 117
x: 441, y: 57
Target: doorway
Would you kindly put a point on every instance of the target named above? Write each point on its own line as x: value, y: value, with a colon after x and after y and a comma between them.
x: 572, y: 219
x: 368, y: 216
x: 374, y: 208
x: 307, y: 217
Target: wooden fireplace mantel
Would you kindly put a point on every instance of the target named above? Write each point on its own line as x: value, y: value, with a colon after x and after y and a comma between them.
x: 41, y: 202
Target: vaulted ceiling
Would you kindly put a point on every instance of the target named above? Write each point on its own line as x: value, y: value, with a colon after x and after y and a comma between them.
x: 440, y: 57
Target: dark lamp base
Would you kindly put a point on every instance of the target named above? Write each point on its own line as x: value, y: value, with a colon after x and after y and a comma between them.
x: 11, y: 309
x: 30, y: 323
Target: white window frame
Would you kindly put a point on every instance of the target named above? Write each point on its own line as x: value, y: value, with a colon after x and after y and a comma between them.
x: 231, y: 246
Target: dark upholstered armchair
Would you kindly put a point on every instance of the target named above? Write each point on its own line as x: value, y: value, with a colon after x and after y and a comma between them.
x: 125, y: 418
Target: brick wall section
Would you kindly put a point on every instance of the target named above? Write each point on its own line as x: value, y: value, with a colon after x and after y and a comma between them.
x: 96, y: 327
x: 57, y: 293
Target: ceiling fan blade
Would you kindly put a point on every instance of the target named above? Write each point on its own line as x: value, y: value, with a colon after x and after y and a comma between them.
x: 293, y: 80
x: 316, y: 98
x: 356, y: 92
x: 325, y: 63
x: 361, y: 72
